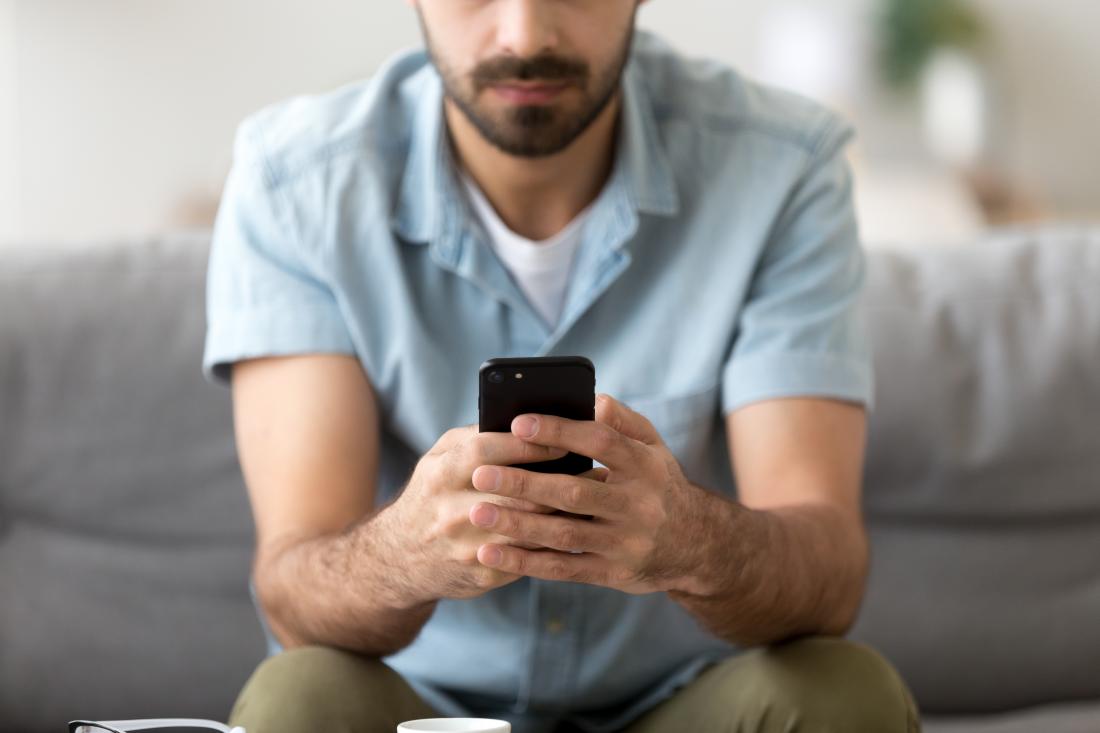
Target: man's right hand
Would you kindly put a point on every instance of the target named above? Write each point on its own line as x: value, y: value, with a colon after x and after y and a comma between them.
x: 330, y: 568
x: 430, y: 520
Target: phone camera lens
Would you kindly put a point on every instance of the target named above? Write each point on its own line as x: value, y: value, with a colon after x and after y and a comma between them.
x: 496, y: 377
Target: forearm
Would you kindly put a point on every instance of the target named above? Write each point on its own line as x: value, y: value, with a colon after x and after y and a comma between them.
x: 344, y: 590
x: 763, y: 576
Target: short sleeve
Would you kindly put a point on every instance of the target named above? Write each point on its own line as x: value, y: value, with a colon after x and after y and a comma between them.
x: 802, y: 331
x: 264, y: 293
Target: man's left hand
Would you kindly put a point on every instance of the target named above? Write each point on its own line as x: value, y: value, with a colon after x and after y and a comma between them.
x: 647, y: 520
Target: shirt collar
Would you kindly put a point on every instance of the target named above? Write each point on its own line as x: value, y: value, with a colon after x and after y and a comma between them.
x: 429, y: 206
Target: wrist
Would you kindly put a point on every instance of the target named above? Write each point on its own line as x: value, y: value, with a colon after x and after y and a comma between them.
x: 716, y: 531
x: 392, y: 554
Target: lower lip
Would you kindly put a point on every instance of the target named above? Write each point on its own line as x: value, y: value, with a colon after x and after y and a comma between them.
x: 529, y: 95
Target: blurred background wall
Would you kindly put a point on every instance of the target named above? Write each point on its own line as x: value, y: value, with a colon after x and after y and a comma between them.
x: 116, y: 116
x: 1045, y: 58
x: 8, y: 161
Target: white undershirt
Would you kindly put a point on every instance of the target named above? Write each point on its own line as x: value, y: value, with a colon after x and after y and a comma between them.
x: 540, y: 267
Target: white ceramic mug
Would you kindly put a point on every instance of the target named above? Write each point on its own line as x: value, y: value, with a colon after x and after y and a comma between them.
x: 456, y: 725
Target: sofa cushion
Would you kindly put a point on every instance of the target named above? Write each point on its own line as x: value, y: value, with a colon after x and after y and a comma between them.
x: 125, y: 535
x: 1061, y: 718
x: 982, y: 489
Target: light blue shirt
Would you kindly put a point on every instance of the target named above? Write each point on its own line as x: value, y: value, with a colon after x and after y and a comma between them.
x: 720, y: 266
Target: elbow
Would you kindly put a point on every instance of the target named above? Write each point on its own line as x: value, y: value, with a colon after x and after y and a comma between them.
x: 846, y: 607
x: 842, y: 621
x: 272, y: 600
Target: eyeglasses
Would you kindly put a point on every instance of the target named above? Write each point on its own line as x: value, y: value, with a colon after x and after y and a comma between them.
x: 184, y: 725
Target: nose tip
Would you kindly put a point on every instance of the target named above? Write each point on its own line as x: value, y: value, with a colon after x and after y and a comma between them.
x: 526, y: 28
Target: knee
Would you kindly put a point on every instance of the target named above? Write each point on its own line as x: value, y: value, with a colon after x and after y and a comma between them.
x: 830, y: 684
x: 309, y: 688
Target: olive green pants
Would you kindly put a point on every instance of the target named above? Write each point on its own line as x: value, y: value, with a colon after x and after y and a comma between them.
x: 812, y: 684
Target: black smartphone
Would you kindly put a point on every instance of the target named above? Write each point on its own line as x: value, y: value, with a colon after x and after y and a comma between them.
x: 548, y: 385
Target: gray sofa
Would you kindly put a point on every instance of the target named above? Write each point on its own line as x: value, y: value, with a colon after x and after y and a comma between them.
x: 125, y: 535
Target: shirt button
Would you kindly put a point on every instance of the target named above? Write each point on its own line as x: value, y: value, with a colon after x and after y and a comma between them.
x: 555, y: 625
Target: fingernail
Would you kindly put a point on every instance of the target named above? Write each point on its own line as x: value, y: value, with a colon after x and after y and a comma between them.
x: 525, y: 426
x: 492, y: 556
x: 485, y: 516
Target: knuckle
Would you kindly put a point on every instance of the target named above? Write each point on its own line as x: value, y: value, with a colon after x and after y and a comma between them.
x: 607, y: 499
x: 462, y: 442
x: 444, y: 465
x: 638, y: 546
x: 604, y: 438
x: 622, y: 576
x: 574, y: 496
x: 478, y: 452
x: 429, y: 463
x: 522, y: 564
x: 600, y: 541
x: 516, y: 483
x: 485, y: 578
x: 601, y: 493
x: 444, y: 443
x: 652, y: 512
x: 439, y: 527
x: 452, y: 526
x: 567, y: 537
x: 558, y: 570
x: 615, y: 544
x: 468, y: 560
x: 507, y: 522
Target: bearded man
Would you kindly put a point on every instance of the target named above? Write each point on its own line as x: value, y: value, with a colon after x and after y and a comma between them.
x: 544, y: 180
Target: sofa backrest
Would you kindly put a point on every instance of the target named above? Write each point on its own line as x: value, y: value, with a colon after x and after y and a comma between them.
x: 982, y: 485
x: 125, y: 535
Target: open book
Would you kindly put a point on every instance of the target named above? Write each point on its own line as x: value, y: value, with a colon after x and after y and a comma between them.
x: 188, y: 724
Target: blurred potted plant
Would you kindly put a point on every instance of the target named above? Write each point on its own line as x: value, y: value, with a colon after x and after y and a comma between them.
x: 912, y: 31
x: 929, y: 47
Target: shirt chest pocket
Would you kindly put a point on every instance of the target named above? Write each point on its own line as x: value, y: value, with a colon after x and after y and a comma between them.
x: 686, y: 421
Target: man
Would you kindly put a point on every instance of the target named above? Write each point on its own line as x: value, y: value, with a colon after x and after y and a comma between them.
x: 547, y: 181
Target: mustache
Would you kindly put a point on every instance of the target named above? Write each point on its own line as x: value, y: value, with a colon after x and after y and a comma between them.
x: 544, y: 67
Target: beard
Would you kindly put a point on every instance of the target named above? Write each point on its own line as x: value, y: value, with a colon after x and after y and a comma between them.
x: 533, y: 130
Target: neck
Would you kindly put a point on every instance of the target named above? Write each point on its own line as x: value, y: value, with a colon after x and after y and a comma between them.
x: 538, y: 197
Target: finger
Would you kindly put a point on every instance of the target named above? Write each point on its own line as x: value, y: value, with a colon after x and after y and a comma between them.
x: 573, y: 494
x: 626, y: 420
x: 546, y: 564
x: 585, y: 437
x: 521, y: 504
x: 503, y: 449
x: 557, y: 532
x: 599, y: 473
